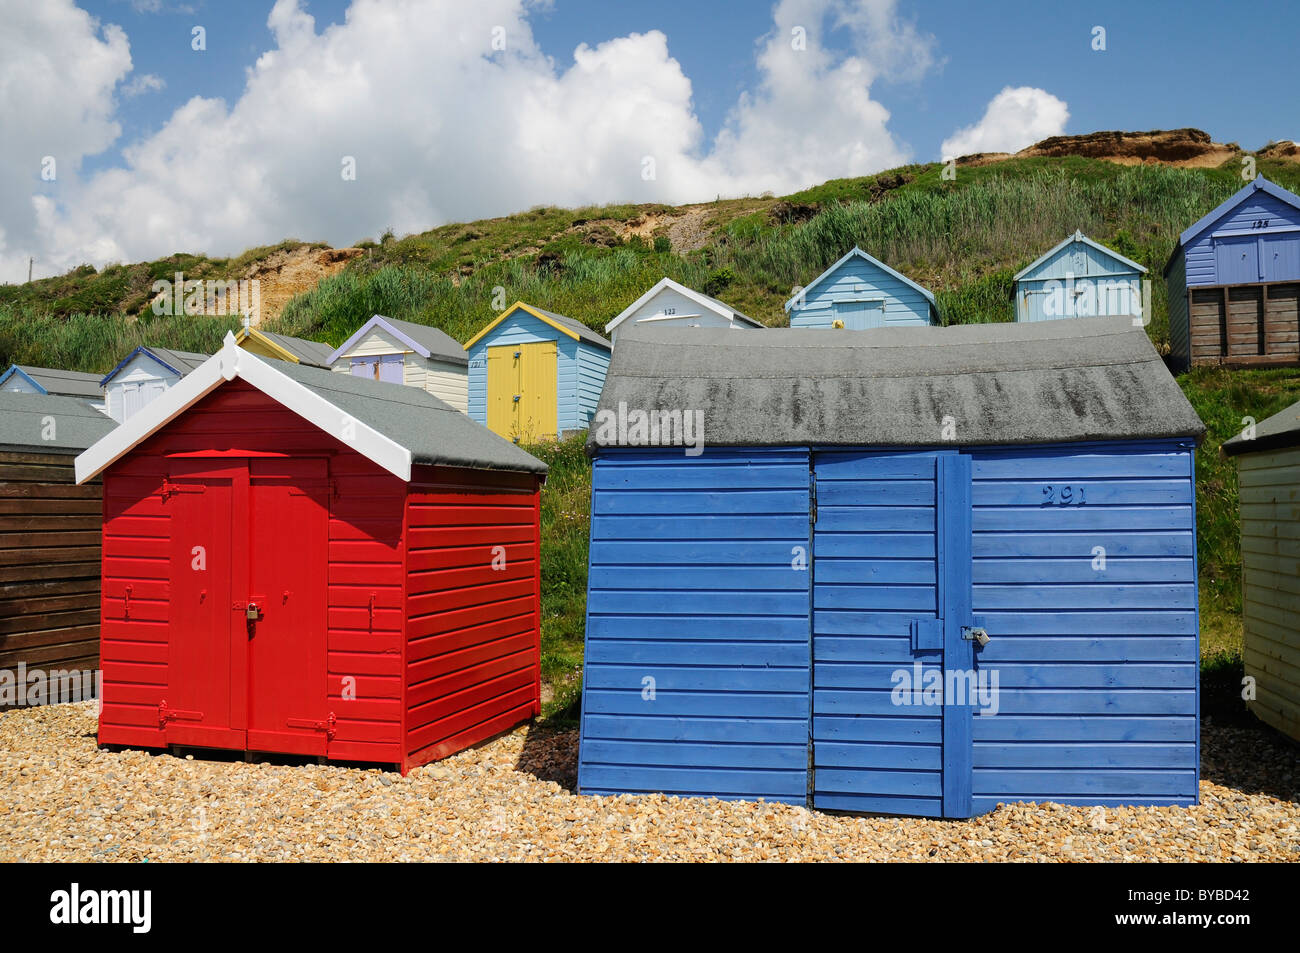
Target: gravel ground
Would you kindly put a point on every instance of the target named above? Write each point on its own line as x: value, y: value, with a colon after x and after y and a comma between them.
x: 62, y: 798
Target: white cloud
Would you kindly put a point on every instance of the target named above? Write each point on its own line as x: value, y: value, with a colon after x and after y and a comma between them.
x: 444, y: 127
x: 144, y: 83
x: 1015, y: 118
x: 58, y: 68
x: 812, y: 117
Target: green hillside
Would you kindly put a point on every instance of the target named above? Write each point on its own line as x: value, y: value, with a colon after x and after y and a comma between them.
x: 964, y: 239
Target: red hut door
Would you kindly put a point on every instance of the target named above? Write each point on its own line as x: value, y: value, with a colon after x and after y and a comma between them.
x: 288, y: 509
x: 204, y: 663
x: 248, y: 532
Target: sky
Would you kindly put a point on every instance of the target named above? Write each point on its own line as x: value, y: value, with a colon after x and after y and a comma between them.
x: 131, y: 129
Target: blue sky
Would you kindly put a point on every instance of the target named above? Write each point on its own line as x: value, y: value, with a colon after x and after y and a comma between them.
x: 162, y: 148
x: 1147, y: 77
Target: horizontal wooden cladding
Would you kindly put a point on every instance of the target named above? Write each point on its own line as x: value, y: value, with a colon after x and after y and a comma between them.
x: 1096, y: 661
x: 472, y: 628
x: 696, y: 674
x: 49, y: 564
x: 433, y: 722
x: 446, y: 651
x: 20, y: 469
x: 1278, y: 710
x: 57, y: 655
x: 1035, y: 784
x: 366, y: 592
x: 1270, y: 605
x: 1245, y: 324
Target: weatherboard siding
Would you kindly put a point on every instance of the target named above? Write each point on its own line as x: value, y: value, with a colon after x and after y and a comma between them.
x: 1269, y: 487
x: 1205, y: 264
x: 1097, y: 669
x: 593, y: 363
x: 859, y: 280
x: 472, y: 608
x: 49, y: 564
x: 696, y: 679
x: 448, y: 382
x: 1121, y: 294
x: 1180, y: 346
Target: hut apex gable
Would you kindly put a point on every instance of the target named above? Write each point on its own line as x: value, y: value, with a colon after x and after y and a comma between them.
x: 875, y: 262
x: 566, y: 326
x: 172, y: 362
x: 706, y: 302
x: 230, y: 362
x: 426, y: 341
x: 1258, y: 184
x: 286, y: 348
x: 17, y: 372
x: 1078, y: 236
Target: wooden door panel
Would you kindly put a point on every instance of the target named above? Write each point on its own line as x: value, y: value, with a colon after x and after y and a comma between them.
x: 288, y: 529
x: 203, y: 658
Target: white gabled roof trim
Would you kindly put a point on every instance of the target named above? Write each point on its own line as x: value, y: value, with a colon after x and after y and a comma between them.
x: 228, y: 363
x: 704, y: 301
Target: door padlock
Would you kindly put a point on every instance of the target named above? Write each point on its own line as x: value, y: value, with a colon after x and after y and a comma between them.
x: 252, y: 613
x: 978, y: 635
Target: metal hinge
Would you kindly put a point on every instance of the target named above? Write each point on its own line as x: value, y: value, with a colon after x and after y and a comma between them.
x: 166, y: 714
x: 326, y: 726
x: 171, y: 489
x: 812, y: 500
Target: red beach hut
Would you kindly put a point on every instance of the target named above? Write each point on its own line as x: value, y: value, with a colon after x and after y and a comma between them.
x: 311, y: 563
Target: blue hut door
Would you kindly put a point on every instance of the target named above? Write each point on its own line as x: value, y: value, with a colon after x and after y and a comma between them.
x: 892, y: 633
x: 860, y: 315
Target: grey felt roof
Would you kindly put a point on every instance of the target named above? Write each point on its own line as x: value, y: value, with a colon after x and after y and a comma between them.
x: 65, y: 383
x: 308, y: 352
x: 23, y: 423
x: 1041, y: 382
x: 584, y: 332
x: 434, y: 431
x: 440, y: 344
x: 183, y: 361
x: 1273, y: 433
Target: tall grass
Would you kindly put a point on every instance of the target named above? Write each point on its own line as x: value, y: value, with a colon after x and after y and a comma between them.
x: 566, y: 522
x: 96, y: 342
x: 999, y: 220
x: 964, y: 240
x: 590, y: 286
